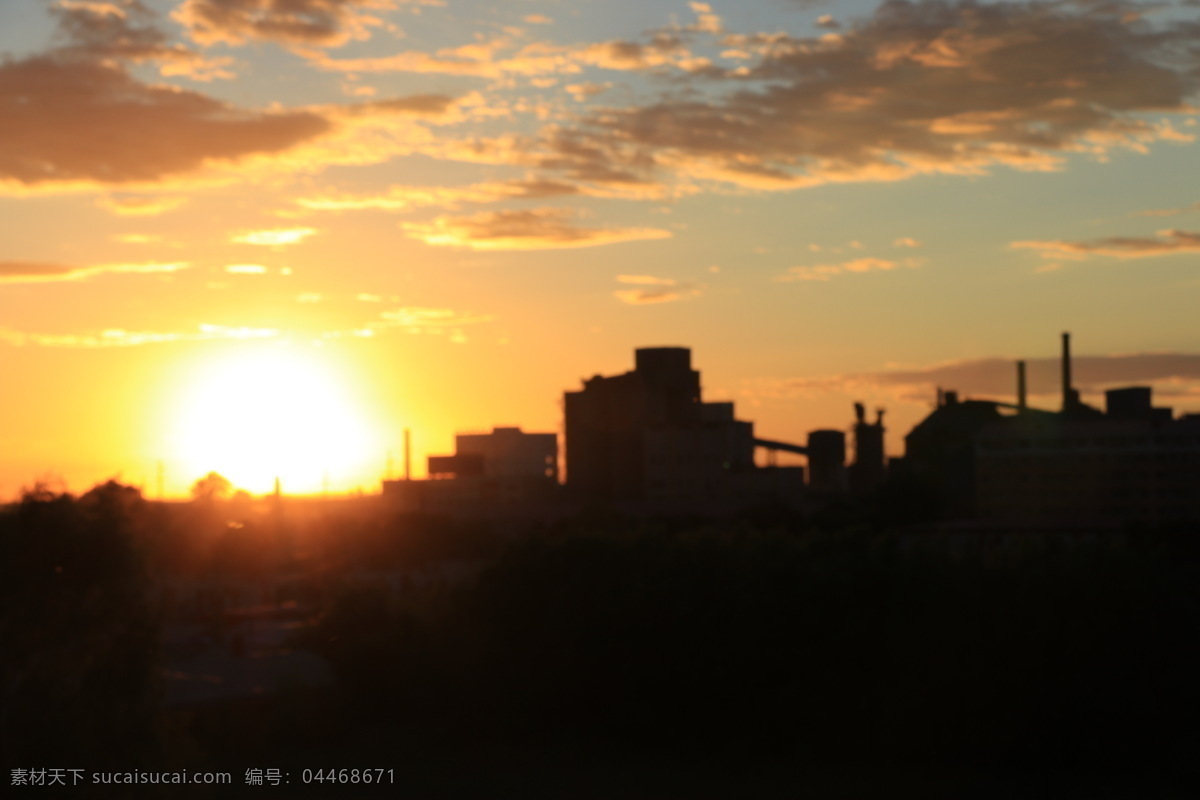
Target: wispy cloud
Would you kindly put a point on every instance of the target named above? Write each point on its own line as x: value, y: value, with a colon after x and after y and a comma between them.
x: 39, y: 272
x: 823, y: 272
x: 405, y: 198
x: 323, y: 23
x: 417, y: 105
x: 137, y: 238
x: 275, y: 237
x: 1167, y: 212
x: 1168, y: 242
x: 117, y: 337
x: 422, y: 320
x: 533, y: 229
x: 140, y: 206
x: 653, y: 290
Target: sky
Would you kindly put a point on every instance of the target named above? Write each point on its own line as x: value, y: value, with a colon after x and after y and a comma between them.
x: 264, y: 237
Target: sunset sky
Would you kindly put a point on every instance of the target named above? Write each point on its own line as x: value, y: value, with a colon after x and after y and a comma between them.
x: 265, y: 236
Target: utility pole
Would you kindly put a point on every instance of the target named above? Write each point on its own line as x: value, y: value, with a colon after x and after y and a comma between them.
x: 407, y: 455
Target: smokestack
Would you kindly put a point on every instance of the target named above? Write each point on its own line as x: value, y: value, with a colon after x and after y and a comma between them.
x: 1021, y: 398
x: 1066, y: 372
x: 407, y: 456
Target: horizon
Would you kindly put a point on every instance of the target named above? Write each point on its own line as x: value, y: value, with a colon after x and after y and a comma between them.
x: 232, y: 243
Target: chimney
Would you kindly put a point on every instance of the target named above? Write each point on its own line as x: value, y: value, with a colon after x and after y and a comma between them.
x: 407, y: 456
x: 1022, y: 405
x: 1067, y: 395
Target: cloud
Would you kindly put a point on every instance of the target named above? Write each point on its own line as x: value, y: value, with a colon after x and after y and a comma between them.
x: 142, y: 135
x: 506, y: 56
x: 323, y: 23
x: 423, y: 317
x: 420, y: 320
x: 125, y: 30
x: 117, y: 337
x: 477, y: 59
x: 1169, y: 242
x: 823, y: 272
x: 405, y: 198
x: 276, y: 237
x: 135, y: 132
x: 139, y: 206
x: 1173, y: 374
x: 534, y: 229
x: 906, y: 241
x: 421, y: 105
x: 655, y: 290
x: 137, y: 238
x: 917, y: 88
x: 1168, y: 212
x: 706, y: 20
x: 648, y: 280
x: 585, y: 91
x: 39, y: 272
x: 246, y: 269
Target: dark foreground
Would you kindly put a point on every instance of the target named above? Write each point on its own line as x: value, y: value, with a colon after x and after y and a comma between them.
x: 597, y: 660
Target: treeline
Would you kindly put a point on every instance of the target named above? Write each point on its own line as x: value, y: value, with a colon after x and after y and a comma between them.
x: 79, y: 631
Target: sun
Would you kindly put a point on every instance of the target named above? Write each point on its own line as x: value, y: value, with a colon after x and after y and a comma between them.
x: 276, y: 413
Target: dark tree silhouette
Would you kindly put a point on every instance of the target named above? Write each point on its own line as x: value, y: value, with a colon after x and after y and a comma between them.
x: 79, y: 629
x: 212, y: 486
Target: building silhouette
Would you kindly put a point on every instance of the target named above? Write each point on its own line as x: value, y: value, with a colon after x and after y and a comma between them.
x: 1008, y: 462
x: 504, y: 472
x: 646, y: 442
x: 827, y: 475
x: 1133, y: 463
x: 868, y: 471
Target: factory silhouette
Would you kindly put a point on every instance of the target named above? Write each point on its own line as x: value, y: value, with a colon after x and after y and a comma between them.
x: 646, y: 444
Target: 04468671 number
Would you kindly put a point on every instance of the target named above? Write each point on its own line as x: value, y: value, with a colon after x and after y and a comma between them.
x: 348, y: 776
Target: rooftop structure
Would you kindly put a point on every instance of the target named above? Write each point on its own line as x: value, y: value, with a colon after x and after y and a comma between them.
x: 1008, y: 462
x: 645, y: 441
x: 506, y: 471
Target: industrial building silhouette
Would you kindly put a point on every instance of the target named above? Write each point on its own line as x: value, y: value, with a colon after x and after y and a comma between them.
x: 1010, y: 463
x: 504, y: 472
x: 645, y: 443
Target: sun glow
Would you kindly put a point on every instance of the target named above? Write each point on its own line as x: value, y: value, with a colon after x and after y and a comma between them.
x: 274, y: 413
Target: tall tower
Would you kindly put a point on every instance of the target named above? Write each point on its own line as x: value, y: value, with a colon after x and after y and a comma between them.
x: 1068, y: 394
